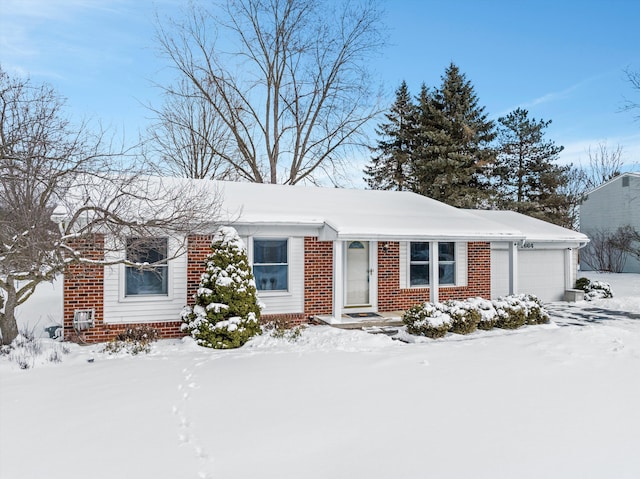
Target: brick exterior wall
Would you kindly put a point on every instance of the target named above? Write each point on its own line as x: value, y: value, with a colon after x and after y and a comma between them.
x: 318, y: 276
x: 198, y: 250
x: 84, y: 285
x: 392, y: 298
x: 83, y: 288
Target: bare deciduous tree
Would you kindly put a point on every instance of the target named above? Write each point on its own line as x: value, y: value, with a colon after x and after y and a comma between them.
x: 52, y: 169
x: 633, y: 77
x: 604, y: 163
x: 187, y: 136
x: 286, y: 77
x: 607, y: 250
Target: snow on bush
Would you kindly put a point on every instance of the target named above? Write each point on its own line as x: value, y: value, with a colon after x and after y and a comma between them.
x: 133, y: 341
x: 434, y: 320
x: 226, y: 310
x: 594, y: 289
x: 27, y: 350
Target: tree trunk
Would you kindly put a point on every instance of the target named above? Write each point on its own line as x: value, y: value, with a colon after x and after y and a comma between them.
x: 8, y: 324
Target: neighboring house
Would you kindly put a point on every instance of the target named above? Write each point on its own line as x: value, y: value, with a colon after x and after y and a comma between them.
x: 327, y: 253
x: 610, y: 206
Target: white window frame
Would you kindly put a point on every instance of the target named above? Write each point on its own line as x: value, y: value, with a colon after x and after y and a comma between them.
x: 271, y: 292
x: 124, y: 297
x: 427, y: 263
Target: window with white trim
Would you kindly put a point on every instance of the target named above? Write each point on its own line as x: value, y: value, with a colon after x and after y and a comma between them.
x: 151, y: 277
x: 419, y: 263
x: 271, y: 264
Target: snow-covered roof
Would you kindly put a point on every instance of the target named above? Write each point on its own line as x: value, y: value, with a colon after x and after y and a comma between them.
x: 357, y: 214
x: 533, y: 229
x: 614, y: 179
x: 342, y: 214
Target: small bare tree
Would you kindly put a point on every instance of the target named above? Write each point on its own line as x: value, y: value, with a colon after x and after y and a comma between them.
x: 187, y: 136
x: 607, y: 251
x: 604, y: 163
x: 288, y: 80
x: 627, y: 239
x: 52, y: 170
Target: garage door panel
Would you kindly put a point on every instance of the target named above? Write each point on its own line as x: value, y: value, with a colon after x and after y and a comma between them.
x: 541, y: 272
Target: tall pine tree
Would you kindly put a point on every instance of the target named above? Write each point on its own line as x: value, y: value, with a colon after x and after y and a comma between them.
x: 453, y: 146
x: 527, y: 178
x: 390, y: 169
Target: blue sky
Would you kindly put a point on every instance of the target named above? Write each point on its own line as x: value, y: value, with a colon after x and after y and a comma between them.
x: 562, y: 60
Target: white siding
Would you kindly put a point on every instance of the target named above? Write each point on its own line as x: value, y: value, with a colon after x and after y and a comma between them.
x: 499, y: 271
x: 611, y: 206
x: 120, y: 309
x: 404, y: 264
x: 461, y: 263
x: 291, y: 301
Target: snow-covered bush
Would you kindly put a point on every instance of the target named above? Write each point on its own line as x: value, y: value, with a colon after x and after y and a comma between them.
x: 428, y: 319
x: 462, y: 317
x: 133, y: 341
x: 282, y: 328
x: 594, y: 289
x: 488, y: 313
x: 226, y: 310
x: 27, y: 350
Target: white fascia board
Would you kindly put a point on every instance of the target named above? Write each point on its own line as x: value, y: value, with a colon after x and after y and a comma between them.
x: 353, y: 236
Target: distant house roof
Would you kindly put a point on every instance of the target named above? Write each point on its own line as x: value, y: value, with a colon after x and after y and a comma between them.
x: 358, y: 214
x: 533, y: 229
x: 614, y: 179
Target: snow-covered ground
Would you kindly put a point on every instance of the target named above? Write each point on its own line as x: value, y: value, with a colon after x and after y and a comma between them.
x: 551, y: 401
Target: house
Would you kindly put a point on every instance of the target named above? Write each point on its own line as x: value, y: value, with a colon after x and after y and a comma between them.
x: 610, y: 206
x: 330, y: 254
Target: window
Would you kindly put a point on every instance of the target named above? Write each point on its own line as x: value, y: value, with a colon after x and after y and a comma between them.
x: 270, y: 264
x: 419, y: 263
x: 447, y: 263
x: 148, y: 280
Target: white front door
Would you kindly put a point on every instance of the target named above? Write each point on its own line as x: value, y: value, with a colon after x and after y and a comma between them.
x: 358, y: 272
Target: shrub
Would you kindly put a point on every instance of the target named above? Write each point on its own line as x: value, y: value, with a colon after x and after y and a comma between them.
x: 27, y: 350
x: 226, y: 312
x: 594, y: 289
x: 583, y: 284
x: 486, y: 311
x: 282, y: 328
x: 133, y: 341
x: 509, y: 315
x: 463, y: 317
x: 427, y: 320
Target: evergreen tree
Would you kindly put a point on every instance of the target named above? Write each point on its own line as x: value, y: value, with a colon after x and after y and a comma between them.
x: 453, y: 145
x: 390, y: 169
x: 527, y: 180
x: 226, y: 312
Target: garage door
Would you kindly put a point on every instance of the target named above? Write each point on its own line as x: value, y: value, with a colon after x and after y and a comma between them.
x: 540, y: 272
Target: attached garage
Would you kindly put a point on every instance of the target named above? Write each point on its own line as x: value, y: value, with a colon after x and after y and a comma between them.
x: 546, y: 261
x: 541, y: 272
